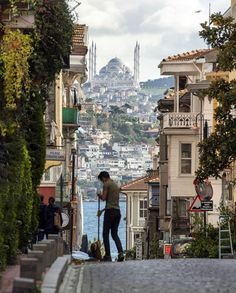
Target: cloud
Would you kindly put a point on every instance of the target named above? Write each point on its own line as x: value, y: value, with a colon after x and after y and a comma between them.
x: 163, y: 28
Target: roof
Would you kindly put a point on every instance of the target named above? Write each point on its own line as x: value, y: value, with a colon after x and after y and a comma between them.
x: 140, y: 183
x: 187, y: 56
x: 137, y: 184
x: 79, y: 43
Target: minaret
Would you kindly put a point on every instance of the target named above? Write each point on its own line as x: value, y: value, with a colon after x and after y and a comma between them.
x: 135, y: 53
x: 95, y: 61
x: 136, y: 63
x: 92, y: 63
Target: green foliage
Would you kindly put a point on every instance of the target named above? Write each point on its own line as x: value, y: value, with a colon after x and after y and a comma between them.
x: 206, y: 240
x: 218, y: 151
x: 28, y: 64
x: 155, y: 250
x: 123, y: 127
x: 130, y: 254
x: 54, y: 29
x: 16, y: 49
x: 16, y: 199
x: 221, y: 35
x: 32, y: 124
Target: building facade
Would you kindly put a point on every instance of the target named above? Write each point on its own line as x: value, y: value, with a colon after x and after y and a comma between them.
x: 185, y: 120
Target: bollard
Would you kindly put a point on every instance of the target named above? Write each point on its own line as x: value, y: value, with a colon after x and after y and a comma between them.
x: 56, y: 238
x: 41, y: 262
x: 61, y: 247
x: 24, y: 285
x: 45, y: 248
x: 52, y: 247
x: 29, y: 268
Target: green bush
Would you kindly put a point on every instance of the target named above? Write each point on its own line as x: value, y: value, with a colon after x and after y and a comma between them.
x: 206, y: 241
x: 155, y: 250
x: 130, y: 254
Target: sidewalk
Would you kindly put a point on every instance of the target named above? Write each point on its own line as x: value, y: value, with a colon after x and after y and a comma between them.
x: 7, y: 278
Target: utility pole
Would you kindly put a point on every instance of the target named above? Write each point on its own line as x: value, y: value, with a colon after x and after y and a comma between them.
x: 73, y: 152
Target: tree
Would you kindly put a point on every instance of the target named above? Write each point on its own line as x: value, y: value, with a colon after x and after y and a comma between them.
x: 218, y: 151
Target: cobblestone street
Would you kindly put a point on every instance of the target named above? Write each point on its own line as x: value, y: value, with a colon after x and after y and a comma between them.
x: 183, y: 275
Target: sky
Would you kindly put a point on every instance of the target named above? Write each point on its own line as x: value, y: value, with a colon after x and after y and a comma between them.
x: 162, y: 27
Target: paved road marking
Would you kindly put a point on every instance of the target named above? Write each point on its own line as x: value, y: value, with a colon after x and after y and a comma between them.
x: 80, y: 283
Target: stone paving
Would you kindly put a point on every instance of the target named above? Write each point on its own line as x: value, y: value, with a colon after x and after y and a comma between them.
x: 165, y: 276
x: 7, y: 277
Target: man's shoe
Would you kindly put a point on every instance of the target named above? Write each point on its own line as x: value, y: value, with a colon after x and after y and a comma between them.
x: 106, y: 258
x: 120, y: 256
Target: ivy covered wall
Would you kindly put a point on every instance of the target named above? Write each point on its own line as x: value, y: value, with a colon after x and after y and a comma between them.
x: 29, y: 61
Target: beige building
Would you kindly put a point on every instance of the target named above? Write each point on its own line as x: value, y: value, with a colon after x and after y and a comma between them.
x: 142, y: 201
x: 62, y: 120
x: 136, y: 209
x: 185, y: 121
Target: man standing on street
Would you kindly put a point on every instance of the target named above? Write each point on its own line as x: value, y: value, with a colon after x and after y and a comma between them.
x: 112, y: 215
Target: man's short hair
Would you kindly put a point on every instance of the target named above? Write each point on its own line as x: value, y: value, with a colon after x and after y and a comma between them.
x: 103, y: 174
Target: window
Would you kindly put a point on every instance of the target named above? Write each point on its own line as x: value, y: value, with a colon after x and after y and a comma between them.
x: 155, y: 197
x: 186, y: 158
x: 143, y: 208
x: 182, y: 208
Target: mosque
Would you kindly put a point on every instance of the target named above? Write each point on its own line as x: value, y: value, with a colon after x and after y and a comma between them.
x: 114, y: 75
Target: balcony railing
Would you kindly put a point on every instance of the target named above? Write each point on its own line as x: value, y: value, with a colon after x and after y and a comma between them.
x: 180, y: 120
x: 70, y: 117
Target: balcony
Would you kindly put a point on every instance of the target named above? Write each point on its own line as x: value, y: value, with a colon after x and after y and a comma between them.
x: 180, y: 120
x: 70, y: 117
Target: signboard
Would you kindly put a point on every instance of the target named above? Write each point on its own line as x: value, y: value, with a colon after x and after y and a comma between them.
x: 199, y: 205
x: 139, y: 249
x: 207, y: 205
x: 55, y: 155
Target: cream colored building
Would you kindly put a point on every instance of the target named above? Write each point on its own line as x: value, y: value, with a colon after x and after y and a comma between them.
x: 185, y: 120
x: 136, y: 210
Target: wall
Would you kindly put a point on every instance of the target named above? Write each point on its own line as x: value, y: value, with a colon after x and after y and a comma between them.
x: 181, y: 185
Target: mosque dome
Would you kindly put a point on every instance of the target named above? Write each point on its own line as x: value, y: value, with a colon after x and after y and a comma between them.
x: 115, y: 62
x: 115, y: 69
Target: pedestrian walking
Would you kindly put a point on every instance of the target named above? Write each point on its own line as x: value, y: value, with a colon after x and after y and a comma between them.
x: 112, y: 215
x: 42, y: 219
x: 53, y: 217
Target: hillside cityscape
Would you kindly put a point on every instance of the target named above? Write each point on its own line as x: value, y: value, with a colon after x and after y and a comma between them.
x: 118, y: 126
